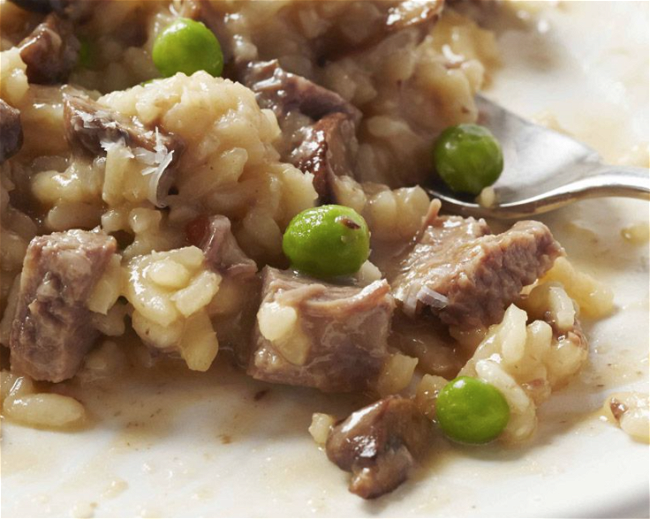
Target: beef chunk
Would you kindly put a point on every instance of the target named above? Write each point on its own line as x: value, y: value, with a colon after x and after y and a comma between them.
x: 311, y: 333
x: 327, y: 151
x: 76, y: 10
x: 50, y: 51
x: 11, y: 131
x: 223, y: 253
x: 468, y: 277
x: 380, y: 444
x: 283, y: 92
x: 52, y: 331
x: 90, y: 127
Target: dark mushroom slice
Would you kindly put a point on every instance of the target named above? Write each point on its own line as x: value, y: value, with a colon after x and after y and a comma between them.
x: 315, y: 334
x: 51, y: 51
x: 11, y: 131
x: 467, y: 276
x: 51, y: 330
x: 328, y: 150
x: 90, y: 127
x: 380, y: 444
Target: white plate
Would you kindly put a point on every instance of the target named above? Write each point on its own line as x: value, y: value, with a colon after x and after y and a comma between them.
x: 182, y: 444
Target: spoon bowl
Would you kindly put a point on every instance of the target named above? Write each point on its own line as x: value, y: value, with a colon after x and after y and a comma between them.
x: 544, y: 170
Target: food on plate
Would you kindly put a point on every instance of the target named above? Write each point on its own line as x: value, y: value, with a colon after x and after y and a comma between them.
x: 244, y: 182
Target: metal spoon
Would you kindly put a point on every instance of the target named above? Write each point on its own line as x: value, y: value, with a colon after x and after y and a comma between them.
x: 544, y: 170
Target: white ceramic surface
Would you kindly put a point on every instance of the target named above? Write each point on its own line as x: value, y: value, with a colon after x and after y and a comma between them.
x: 200, y: 445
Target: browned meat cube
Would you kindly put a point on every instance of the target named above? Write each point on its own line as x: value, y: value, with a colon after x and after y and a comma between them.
x: 50, y: 51
x: 11, y: 131
x: 380, y: 444
x: 467, y: 276
x: 52, y: 331
x: 315, y: 334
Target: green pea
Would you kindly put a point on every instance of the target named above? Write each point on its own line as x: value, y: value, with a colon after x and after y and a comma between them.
x: 468, y: 158
x: 469, y: 410
x: 327, y: 241
x: 187, y: 46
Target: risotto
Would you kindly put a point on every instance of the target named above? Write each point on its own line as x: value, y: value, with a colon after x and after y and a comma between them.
x: 244, y: 181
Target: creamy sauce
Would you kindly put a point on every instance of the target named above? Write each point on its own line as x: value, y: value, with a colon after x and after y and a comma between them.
x: 144, y: 410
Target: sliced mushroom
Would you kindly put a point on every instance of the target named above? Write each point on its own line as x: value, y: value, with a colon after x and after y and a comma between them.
x: 380, y: 444
x: 327, y: 151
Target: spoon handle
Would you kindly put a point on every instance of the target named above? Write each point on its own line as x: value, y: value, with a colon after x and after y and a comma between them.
x: 626, y: 181
x: 604, y: 181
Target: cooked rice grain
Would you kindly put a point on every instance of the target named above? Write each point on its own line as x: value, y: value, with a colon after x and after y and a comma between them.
x: 43, y: 410
x: 396, y: 375
x: 631, y: 412
x: 321, y: 425
x: 593, y: 297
